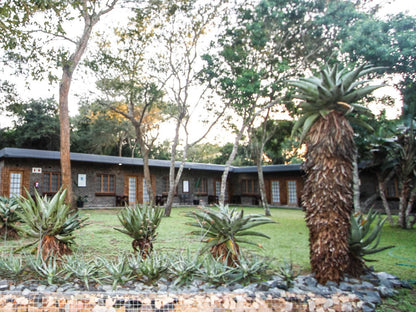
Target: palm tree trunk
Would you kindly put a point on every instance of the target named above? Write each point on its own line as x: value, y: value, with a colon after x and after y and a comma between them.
x: 328, y: 195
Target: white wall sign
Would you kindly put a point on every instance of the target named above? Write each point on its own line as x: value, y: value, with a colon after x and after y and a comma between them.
x: 82, y: 180
x: 36, y: 170
x: 185, y: 186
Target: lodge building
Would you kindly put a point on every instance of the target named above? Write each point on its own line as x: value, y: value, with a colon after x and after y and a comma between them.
x: 110, y: 181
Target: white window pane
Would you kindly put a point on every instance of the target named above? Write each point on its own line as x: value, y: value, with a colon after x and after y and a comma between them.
x: 275, y: 192
x: 15, y: 184
x: 132, y: 190
x: 292, y: 194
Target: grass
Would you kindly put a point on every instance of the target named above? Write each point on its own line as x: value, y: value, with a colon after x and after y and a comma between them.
x: 289, y: 240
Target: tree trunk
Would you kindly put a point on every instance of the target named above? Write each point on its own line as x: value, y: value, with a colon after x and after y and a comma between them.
x: 172, y: 180
x: 328, y: 195
x: 409, y: 223
x: 356, y: 185
x: 404, y: 197
x: 228, y: 165
x: 64, y: 87
x: 262, y: 186
x: 381, y: 190
x: 65, y: 134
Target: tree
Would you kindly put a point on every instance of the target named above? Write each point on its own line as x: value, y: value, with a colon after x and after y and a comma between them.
x: 102, y: 131
x: 392, y: 45
x: 37, y: 124
x: 328, y: 102
x: 127, y: 88
x: 268, y: 44
x: 30, y: 27
x: 180, y: 27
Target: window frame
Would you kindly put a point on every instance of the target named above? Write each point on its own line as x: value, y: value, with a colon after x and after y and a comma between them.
x: 99, y: 179
x: 245, y: 190
x: 50, y: 190
x: 202, y: 188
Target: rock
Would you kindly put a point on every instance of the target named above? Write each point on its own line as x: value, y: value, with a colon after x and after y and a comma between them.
x: 368, y: 307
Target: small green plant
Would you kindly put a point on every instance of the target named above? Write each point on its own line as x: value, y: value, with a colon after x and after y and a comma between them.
x: 84, y: 270
x: 223, y: 229
x: 251, y: 269
x: 51, y: 222
x: 140, y: 223
x: 9, y: 217
x: 11, y: 266
x: 364, y: 239
x: 185, y: 266
x: 216, y: 272
x: 151, y: 268
x: 48, y: 269
x: 117, y: 271
x: 288, y: 273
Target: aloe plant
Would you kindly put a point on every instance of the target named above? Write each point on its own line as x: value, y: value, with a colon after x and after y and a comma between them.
x: 51, y: 222
x: 9, y: 217
x: 224, y: 228
x: 364, y: 238
x: 141, y: 223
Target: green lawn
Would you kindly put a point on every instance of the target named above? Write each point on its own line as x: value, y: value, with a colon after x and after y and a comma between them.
x: 289, y: 239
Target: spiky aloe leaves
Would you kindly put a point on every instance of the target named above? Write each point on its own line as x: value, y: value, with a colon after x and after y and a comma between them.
x: 364, y: 239
x: 333, y: 90
x: 141, y: 223
x: 50, y: 221
x: 223, y: 229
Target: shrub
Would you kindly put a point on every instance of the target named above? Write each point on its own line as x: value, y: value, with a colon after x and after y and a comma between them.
x: 223, y: 229
x: 9, y: 217
x: 50, y: 222
x: 150, y: 269
x: 12, y: 266
x: 140, y: 223
x: 364, y: 239
x: 84, y: 270
x: 117, y: 271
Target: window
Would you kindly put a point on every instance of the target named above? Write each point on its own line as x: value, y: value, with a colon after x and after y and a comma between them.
x: 15, y: 184
x: 201, y: 186
x: 248, y: 186
x: 52, y: 182
x: 292, y: 196
x: 105, y: 184
x: 275, y: 192
x: 132, y: 190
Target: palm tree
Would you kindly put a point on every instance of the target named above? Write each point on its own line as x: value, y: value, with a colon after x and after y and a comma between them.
x: 328, y: 102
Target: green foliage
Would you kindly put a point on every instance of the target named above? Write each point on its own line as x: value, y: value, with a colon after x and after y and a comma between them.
x: 150, y: 269
x: 288, y: 273
x: 117, y: 271
x: 75, y: 266
x: 365, y: 236
x: 215, y: 272
x: 48, y: 269
x: 140, y: 222
x: 185, y: 267
x: 333, y: 90
x: 251, y: 269
x: 225, y: 226
x: 8, y: 213
x: 11, y: 266
x: 49, y: 217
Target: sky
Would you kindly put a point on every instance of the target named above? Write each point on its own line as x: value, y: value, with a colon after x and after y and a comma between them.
x: 78, y: 90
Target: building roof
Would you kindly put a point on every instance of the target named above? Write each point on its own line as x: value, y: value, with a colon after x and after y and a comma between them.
x: 10, y: 152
